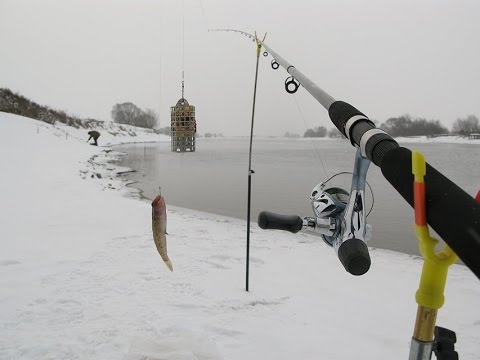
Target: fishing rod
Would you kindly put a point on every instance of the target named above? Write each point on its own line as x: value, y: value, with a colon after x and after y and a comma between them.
x: 339, y: 215
x: 450, y: 211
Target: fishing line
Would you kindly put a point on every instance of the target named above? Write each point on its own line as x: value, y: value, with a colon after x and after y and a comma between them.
x: 183, y: 48
x: 201, y: 5
x: 311, y: 139
x: 160, y: 66
x: 350, y: 173
x: 203, y: 14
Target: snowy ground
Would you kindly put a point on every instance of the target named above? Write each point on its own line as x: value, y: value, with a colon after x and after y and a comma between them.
x: 80, y: 277
x: 439, y: 139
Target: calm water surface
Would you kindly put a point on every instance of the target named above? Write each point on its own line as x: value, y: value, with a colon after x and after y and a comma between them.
x: 214, y: 178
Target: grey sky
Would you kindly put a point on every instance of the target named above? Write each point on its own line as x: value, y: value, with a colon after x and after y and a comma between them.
x: 387, y: 58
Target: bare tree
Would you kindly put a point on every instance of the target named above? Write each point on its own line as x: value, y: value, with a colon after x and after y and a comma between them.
x: 466, y: 126
x: 290, y: 135
x: 405, y: 125
x: 335, y: 133
x: 151, y: 118
x: 319, y: 131
x: 126, y: 113
x: 130, y: 114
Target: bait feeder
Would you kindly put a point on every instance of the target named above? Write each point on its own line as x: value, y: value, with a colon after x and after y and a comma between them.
x: 291, y: 85
x: 275, y: 64
x: 265, y: 53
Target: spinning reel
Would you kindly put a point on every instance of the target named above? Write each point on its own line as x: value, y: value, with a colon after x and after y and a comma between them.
x: 339, y: 217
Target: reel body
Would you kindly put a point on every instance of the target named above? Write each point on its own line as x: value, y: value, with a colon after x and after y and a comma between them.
x: 339, y: 217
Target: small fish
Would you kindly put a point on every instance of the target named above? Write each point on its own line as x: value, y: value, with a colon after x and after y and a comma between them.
x: 159, y: 227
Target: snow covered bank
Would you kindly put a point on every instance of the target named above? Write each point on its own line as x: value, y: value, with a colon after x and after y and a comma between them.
x: 438, y: 139
x: 81, y: 278
x: 400, y: 140
x: 111, y: 133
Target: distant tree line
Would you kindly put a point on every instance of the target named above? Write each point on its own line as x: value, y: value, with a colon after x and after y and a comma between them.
x: 321, y: 131
x: 209, y: 135
x: 466, y: 126
x: 130, y: 114
x: 164, y: 130
x: 405, y: 125
x: 290, y: 135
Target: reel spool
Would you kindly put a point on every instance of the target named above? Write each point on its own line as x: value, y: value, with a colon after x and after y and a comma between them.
x: 329, y: 203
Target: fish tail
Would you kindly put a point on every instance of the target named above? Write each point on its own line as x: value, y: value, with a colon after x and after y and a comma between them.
x: 169, y: 264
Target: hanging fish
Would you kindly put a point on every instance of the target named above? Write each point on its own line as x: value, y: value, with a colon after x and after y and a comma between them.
x: 159, y: 228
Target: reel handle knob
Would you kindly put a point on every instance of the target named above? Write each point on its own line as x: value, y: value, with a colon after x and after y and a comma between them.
x: 353, y: 254
x: 269, y: 220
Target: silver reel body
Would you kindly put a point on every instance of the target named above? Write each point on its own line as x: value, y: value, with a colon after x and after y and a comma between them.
x: 339, y: 217
x: 339, y: 214
x: 328, y: 205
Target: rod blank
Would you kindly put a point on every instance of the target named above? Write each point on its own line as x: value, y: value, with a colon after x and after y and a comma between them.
x: 322, y: 97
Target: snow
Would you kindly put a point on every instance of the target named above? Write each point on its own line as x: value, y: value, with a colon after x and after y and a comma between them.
x: 439, y: 139
x: 81, y: 278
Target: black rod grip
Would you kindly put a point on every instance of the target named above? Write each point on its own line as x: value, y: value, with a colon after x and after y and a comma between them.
x: 451, y: 212
x: 376, y: 146
x: 268, y: 220
x: 340, y: 112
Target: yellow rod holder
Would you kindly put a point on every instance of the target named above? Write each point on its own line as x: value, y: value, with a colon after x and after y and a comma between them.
x: 429, y: 295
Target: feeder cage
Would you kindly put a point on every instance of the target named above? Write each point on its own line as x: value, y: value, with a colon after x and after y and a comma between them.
x: 183, y: 126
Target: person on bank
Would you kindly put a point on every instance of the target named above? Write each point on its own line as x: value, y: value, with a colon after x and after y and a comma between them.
x: 94, y: 135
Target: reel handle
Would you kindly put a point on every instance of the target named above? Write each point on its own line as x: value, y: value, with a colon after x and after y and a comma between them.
x: 269, y: 220
x: 354, y: 256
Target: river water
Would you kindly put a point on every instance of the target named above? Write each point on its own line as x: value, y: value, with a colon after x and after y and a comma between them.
x: 214, y: 179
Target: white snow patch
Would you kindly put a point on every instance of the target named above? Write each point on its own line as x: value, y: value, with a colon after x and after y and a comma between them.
x: 438, y: 139
x: 80, y: 277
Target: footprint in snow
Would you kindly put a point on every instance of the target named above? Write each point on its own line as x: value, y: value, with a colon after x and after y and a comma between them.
x: 186, y: 306
x: 215, y: 265
x: 39, y: 301
x: 183, y: 345
x: 225, y: 331
x: 9, y: 262
x: 67, y: 302
x: 257, y: 260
